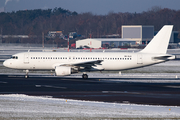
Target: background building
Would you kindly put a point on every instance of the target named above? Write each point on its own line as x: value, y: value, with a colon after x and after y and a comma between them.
x: 139, y: 33
x: 131, y: 35
x: 174, y: 37
x: 104, y: 43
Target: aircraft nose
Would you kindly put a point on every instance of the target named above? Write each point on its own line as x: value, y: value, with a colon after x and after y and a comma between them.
x: 6, y: 63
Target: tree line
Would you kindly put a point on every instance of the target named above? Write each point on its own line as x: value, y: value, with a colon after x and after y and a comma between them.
x: 34, y: 22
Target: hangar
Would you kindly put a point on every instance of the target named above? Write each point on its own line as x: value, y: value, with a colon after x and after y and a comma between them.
x: 131, y: 35
x: 142, y: 34
x: 104, y: 42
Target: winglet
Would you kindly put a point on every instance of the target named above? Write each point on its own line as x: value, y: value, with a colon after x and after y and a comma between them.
x: 159, y: 43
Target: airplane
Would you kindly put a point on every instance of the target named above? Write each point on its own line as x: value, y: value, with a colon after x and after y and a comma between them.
x: 67, y: 63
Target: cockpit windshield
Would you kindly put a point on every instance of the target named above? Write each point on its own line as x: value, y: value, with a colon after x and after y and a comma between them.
x: 14, y: 57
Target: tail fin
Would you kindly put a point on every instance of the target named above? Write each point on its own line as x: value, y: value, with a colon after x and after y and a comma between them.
x: 160, y: 42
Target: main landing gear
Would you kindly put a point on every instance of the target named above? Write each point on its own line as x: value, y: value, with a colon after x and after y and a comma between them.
x: 85, y: 76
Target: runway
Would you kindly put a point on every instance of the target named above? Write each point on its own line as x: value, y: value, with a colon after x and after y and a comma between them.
x: 111, y: 89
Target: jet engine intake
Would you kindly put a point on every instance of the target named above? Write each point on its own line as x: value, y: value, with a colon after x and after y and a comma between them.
x: 62, y: 71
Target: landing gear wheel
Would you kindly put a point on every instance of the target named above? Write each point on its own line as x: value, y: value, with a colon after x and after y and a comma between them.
x: 85, y: 76
x: 26, y: 76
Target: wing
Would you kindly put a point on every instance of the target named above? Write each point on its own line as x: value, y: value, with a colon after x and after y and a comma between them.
x: 88, y: 63
x: 84, y: 65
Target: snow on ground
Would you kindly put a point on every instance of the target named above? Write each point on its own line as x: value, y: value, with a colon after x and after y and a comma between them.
x: 18, y: 106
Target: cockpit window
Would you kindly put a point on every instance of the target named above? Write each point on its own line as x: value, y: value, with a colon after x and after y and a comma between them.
x: 14, y: 57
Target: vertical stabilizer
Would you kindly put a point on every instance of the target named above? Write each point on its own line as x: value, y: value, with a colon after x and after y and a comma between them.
x: 160, y: 42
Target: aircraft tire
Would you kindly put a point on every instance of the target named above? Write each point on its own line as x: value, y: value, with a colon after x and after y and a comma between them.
x: 85, y: 76
x: 26, y: 76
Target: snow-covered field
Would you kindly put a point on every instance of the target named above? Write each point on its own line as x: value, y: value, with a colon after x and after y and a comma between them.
x: 18, y: 106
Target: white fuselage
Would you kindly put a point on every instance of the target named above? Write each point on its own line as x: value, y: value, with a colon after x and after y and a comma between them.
x: 111, y: 61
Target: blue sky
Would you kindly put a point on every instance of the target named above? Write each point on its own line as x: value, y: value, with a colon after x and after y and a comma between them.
x: 95, y: 6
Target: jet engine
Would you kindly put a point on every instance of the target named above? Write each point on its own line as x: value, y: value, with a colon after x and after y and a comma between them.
x: 62, y: 70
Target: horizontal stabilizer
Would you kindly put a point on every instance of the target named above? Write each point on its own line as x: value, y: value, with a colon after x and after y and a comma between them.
x: 166, y: 57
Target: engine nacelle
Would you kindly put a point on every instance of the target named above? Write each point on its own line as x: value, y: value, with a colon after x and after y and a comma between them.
x: 62, y: 70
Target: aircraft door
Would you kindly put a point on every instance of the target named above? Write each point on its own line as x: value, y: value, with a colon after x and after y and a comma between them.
x: 26, y: 58
x: 139, y: 59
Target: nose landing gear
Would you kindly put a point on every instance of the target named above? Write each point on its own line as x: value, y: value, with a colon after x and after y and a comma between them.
x: 26, y: 76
